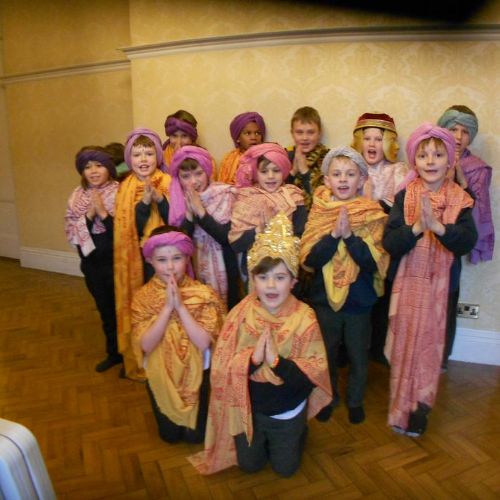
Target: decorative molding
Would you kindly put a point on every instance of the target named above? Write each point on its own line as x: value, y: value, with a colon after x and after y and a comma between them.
x: 477, y: 346
x: 9, y: 245
x: 51, y: 260
x: 81, y: 69
x: 478, y: 32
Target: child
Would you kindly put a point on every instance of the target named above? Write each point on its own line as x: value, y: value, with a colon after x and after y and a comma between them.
x: 141, y: 206
x: 261, y: 175
x: 247, y: 129
x: 180, y: 128
x: 429, y: 227
x: 89, y: 227
x: 376, y: 139
x: 342, y: 246
x: 175, y: 319
x: 269, y: 371
x: 307, y: 153
x: 204, y: 208
x: 116, y: 151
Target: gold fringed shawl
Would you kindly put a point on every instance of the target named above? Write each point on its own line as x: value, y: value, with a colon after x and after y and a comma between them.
x: 175, y: 367
x: 367, y: 220
x: 128, y: 267
x: 298, y: 337
x: 254, y: 207
x: 417, y: 312
x: 228, y: 166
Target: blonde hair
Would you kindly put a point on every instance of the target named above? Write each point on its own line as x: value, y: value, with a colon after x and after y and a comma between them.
x: 390, y: 143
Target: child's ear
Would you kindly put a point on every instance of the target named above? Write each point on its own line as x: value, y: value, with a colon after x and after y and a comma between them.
x: 294, y: 282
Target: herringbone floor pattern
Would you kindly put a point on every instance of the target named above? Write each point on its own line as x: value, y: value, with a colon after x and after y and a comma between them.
x: 99, y: 440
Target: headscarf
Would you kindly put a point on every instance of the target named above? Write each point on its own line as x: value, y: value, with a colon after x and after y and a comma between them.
x: 173, y: 238
x: 375, y: 120
x: 345, y: 151
x: 247, y: 171
x: 451, y: 117
x: 177, y: 211
x: 173, y: 124
x: 150, y: 134
x: 87, y: 155
x: 242, y: 120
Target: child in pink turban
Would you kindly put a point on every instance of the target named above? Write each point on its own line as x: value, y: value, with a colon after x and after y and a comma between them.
x: 262, y: 194
x: 247, y: 129
x: 430, y: 226
x: 204, y: 208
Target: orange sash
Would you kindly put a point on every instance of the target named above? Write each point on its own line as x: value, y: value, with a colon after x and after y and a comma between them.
x: 228, y: 166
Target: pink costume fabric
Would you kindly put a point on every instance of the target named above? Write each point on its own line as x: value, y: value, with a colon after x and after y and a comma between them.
x: 384, y: 181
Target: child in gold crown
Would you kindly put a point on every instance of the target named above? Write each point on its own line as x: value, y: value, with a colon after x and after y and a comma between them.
x: 269, y: 369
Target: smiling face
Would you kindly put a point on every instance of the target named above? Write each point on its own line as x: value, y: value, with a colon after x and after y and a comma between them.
x: 462, y: 138
x: 273, y: 287
x: 269, y: 176
x: 431, y: 162
x: 343, y: 178
x: 373, y: 146
x: 306, y: 135
x: 169, y: 261
x: 196, y: 179
x: 95, y: 174
x: 179, y: 139
x: 143, y: 161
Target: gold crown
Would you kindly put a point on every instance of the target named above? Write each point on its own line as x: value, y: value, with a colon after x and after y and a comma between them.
x: 277, y: 241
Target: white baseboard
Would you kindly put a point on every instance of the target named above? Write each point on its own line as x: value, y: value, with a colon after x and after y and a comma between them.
x: 9, y: 246
x: 477, y: 346
x: 51, y: 260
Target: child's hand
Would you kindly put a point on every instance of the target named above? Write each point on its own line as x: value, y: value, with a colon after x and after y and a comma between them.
x: 194, y: 200
x: 173, y: 296
x: 156, y: 195
x: 98, y: 204
x: 259, y: 349
x: 300, y: 161
x: 430, y: 220
x: 91, y: 213
x: 462, y: 181
x: 271, y: 349
x: 148, y: 192
x: 345, y: 225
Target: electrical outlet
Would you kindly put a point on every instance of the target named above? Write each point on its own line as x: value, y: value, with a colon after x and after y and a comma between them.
x: 470, y: 311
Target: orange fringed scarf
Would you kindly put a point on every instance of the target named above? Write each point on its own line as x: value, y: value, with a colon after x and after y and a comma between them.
x: 228, y: 166
x: 297, y: 335
x: 128, y: 267
x: 417, y: 313
x: 367, y: 221
x: 175, y: 367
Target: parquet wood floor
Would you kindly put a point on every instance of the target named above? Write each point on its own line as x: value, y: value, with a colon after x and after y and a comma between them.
x: 98, y: 436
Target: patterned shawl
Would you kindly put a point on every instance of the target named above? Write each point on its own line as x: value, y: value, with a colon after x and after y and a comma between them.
x: 314, y: 159
x: 298, y: 337
x: 128, y: 267
x: 254, y: 207
x: 384, y: 181
x: 229, y: 166
x: 209, y: 263
x: 417, y: 313
x: 367, y: 221
x: 75, y: 220
x: 478, y: 175
x: 175, y: 367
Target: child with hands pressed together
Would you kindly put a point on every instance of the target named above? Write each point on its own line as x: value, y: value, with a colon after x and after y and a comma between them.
x: 430, y: 226
x: 175, y: 320
x: 342, y: 247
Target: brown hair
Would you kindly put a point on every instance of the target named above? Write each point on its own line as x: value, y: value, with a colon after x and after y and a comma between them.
x: 437, y: 142
x: 167, y: 229
x: 268, y: 263
x: 462, y: 109
x: 188, y: 165
x: 83, y: 182
x: 185, y: 116
x: 306, y: 114
x: 142, y: 140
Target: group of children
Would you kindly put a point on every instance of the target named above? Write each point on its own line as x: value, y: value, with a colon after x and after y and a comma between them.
x: 347, y: 231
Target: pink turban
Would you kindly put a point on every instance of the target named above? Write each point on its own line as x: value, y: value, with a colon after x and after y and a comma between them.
x: 246, y: 174
x: 177, y: 210
x: 241, y: 121
x: 426, y: 131
x: 172, y: 238
x: 150, y: 134
x: 173, y: 124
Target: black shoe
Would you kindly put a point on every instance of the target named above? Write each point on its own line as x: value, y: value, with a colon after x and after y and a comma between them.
x: 356, y: 415
x: 108, y: 363
x: 417, y: 423
x: 325, y: 413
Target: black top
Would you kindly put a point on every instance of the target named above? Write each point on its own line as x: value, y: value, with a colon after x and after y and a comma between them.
x: 103, y: 252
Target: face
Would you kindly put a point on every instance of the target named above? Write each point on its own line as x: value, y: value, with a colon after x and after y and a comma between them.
x: 462, y: 138
x: 306, y: 135
x: 96, y: 174
x: 179, y: 139
x: 373, y: 149
x: 193, y: 179
x: 344, y: 179
x: 269, y: 177
x: 143, y: 161
x: 250, y: 136
x: 169, y: 261
x: 274, y: 287
x: 431, y: 162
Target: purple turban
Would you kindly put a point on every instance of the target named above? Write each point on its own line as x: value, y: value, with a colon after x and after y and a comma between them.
x: 246, y: 174
x: 177, y: 210
x: 426, y: 131
x: 241, y: 121
x: 173, y: 124
x: 150, y: 134
x: 172, y: 238
x: 84, y: 157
